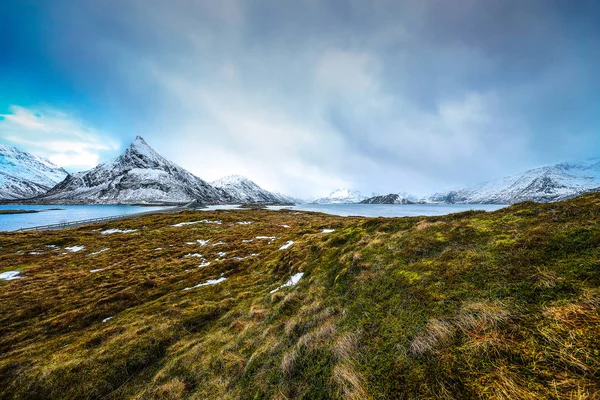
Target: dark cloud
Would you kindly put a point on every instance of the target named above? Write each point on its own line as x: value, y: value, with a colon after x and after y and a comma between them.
x: 382, y: 95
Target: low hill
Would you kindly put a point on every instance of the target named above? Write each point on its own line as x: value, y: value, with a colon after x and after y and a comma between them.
x: 286, y: 304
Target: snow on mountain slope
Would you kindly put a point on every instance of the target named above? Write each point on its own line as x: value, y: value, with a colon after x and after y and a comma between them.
x: 393, y: 198
x: 139, y: 175
x: 23, y: 175
x: 341, y: 196
x: 544, y: 184
x: 243, y: 190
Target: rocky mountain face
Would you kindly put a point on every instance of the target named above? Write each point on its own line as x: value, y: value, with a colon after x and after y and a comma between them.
x: 393, y: 198
x: 341, y: 196
x: 23, y: 175
x: 140, y: 175
x: 544, y: 184
x: 243, y: 190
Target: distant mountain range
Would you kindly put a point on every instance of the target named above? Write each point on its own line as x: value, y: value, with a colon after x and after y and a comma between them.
x: 23, y: 175
x: 341, y: 196
x: 142, y: 176
x: 243, y: 190
x: 393, y: 198
x: 544, y: 184
x: 138, y: 176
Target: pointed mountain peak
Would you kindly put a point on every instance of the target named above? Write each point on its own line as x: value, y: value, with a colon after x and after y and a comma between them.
x: 139, y: 150
x: 139, y: 142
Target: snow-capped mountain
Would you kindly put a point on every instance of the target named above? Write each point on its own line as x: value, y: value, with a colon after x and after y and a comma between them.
x: 139, y: 175
x: 544, y: 184
x: 393, y: 198
x: 243, y: 190
x: 23, y: 175
x: 341, y: 196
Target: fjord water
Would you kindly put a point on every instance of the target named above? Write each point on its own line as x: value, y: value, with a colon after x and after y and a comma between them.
x: 11, y: 222
x: 60, y: 214
x: 382, y: 210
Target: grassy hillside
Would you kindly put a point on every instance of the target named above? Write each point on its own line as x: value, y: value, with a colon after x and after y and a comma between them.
x: 470, y: 305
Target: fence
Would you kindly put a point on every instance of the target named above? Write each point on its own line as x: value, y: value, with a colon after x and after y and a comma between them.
x: 100, y: 219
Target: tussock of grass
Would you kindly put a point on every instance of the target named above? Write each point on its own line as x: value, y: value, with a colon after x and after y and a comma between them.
x: 470, y: 305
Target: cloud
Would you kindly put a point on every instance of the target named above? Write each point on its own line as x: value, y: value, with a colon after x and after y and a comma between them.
x: 55, y: 135
x: 303, y: 97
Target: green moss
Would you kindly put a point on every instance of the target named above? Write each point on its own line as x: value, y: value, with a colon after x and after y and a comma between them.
x: 469, y: 305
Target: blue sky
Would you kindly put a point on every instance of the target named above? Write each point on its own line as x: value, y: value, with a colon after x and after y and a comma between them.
x: 306, y: 96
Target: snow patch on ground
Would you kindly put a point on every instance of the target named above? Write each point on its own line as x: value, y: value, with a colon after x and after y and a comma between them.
x: 287, y: 245
x: 204, y: 221
x: 35, y: 253
x: 285, y: 226
x: 243, y: 258
x: 269, y: 238
x: 245, y: 222
x: 10, y: 275
x: 202, y: 242
x: 327, y: 230
x: 75, y: 249
x: 99, y: 251
x: 115, y: 230
x: 218, y: 243
x: 292, y: 282
x: 204, y: 264
x: 96, y: 270
x: 193, y: 255
x: 208, y: 282
x: 106, y: 319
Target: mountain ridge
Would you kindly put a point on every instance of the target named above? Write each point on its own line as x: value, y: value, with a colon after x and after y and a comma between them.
x: 543, y: 184
x: 341, y: 196
x: 245, y: 190
x: 139, y: 175
x: 23, y: 174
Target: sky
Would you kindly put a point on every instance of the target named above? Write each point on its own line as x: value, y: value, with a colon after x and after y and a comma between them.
x: 306, y: 96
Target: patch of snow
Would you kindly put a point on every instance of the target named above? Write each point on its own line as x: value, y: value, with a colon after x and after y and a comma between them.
x: 247, y: 241
x: 204, y: 221
x: 202, y: 242
x: 245, y: 222
x: 208, y: 282
x: 96, y: 270
x: 107, y: 319
x: 99, y: 251
x: 327, y: 230
x: 285, y: 226
x: 115, y: 230
x: 221, y: 254
x: 193, y: 255
x: 10, y: 275
x: 269, y: 238
x: 74, y: 249
x: 287, y: 245
x: 243, y: 258
x: 204, y: 264
x: 34, y: 253
x: 218, y: 243
x: 158, y: 248
x: 294, y: 279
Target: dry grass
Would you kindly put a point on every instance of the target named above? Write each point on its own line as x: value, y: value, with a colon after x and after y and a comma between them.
x: 472, y: 305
